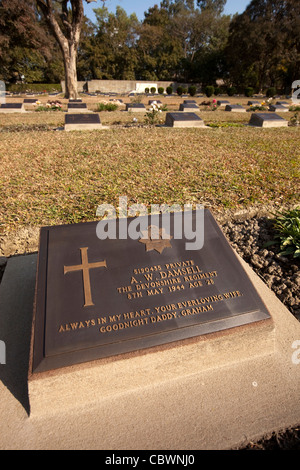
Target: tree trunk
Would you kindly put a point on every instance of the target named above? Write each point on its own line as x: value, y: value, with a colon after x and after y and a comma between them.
x: 70, y: 58
x: 67, y: 38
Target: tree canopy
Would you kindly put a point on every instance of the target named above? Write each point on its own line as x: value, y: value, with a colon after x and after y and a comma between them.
x: 183, y: 40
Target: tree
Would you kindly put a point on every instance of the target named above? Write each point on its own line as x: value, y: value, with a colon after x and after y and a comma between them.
x: 158, y: 49
x: 176, y: 37
x: 113, y: 50
x: 24, y: 44
x: 264, y: 44
x: 66, y: 29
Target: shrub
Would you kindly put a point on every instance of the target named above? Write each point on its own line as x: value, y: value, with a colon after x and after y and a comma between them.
x: 152, y: 115
x: 161, y: 90
x: 34, y: 87
x: 271, y: 92
x: 217, y: 91
x: 209, y: 90
x: 107, y: 107
x: 287, y: 228
x: 192, y: 90
x: 179, y: 90
x: 257, y: 107
x: 153, y: 90
x: 249, y: 92
x: 231, y: 91
x: 169, y: 90
x: 147, y: 90
x: 295, y: 120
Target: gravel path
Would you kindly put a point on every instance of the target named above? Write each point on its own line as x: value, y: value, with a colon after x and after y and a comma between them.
x: 281, y: 274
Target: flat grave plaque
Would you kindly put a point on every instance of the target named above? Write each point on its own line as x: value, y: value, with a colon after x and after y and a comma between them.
x: 283, y: 103
x: 279, y: 108
x: 187, y: 107
x: 99, y: 298
x: 88, y: 121
x: 223, y: 102
x: 135, y: 107
x: 72, y: 100
x: 183, y: 119
x: 12, y: 108
x: 235, y: 108
x: 267, y: 120
x: 77, y: 107
x: 29, y: 101
x: 253, y: 102
x: 189, y: 101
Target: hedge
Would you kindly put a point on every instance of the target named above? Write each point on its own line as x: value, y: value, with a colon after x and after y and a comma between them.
x: 34, y: 87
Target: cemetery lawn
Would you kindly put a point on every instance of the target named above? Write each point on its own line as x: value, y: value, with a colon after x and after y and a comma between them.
x: 54, y: 177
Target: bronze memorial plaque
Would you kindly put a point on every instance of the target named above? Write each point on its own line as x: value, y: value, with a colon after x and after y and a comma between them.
x: 103, y: 297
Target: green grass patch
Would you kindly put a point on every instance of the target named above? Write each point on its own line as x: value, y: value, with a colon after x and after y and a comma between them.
x: 107, y: 107
x: 287, y: 228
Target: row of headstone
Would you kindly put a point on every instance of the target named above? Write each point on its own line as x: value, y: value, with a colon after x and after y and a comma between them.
x: 91, y: 121
x: 189, y: 119
x: 278, y: 103
x: 77, y: 106
x: 280, y: 108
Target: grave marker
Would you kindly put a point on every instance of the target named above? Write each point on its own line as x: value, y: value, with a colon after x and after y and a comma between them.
x: 278, y: 108
x: 188, y: 107
x: 223, y: 102
x: 235, y: 108
x: 77, y: 107
x: 80, y: 122
x: 136, y: 107
x: 12, y: 108
x: 267, y: 120
x: 100, y: 298
x: 183, y: 119
x: 29, y: 101
x: 283, y: 103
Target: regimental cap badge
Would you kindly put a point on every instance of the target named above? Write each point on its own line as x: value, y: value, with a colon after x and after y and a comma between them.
x: 155, y: 238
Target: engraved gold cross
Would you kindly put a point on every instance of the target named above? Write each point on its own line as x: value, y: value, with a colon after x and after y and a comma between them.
x: 85, y: 268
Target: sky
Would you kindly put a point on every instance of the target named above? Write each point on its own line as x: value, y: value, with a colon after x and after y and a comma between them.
x: 140, y: 6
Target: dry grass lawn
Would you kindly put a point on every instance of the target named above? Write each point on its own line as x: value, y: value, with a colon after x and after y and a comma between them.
x: 52, y: 177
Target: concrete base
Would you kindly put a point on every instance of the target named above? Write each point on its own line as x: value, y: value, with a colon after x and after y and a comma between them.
x: 78, y: 110
x: 136, y: 110
x: 84, y: 127
x: 214, y: 392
